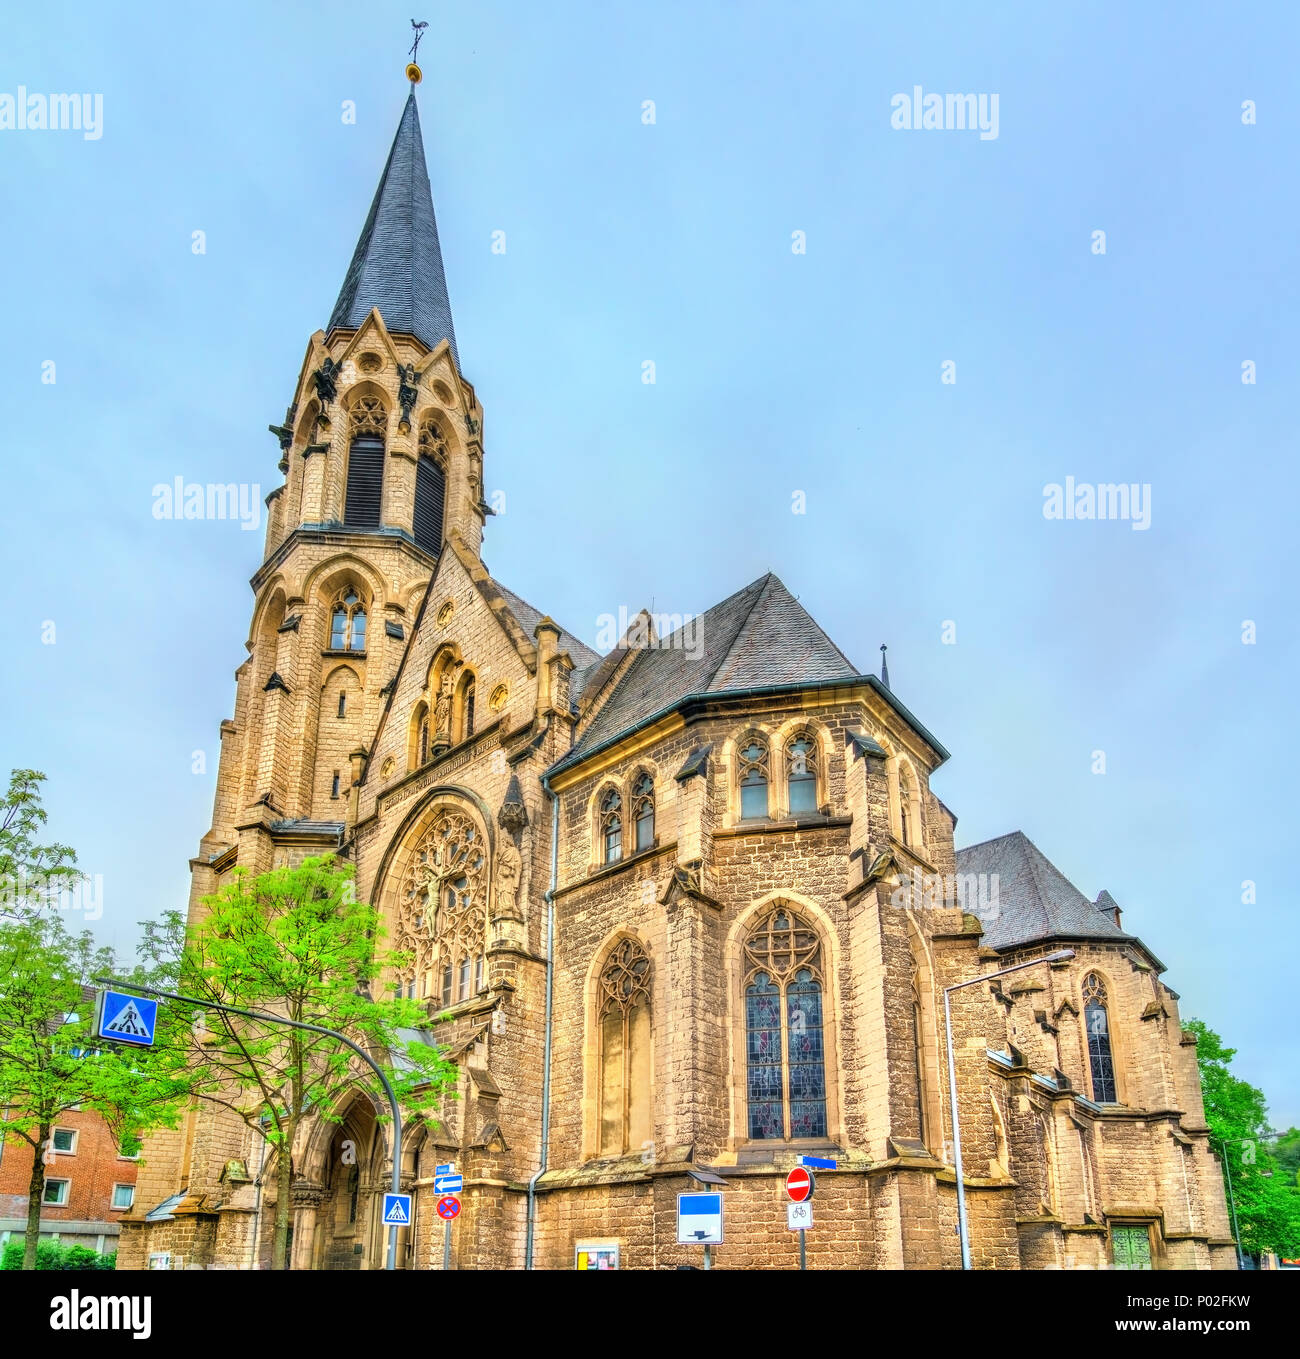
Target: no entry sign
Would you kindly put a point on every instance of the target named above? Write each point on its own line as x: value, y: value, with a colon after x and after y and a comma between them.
x: 799, y: 1184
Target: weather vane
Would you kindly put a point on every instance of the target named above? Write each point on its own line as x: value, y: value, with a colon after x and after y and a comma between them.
x: 413, y: 72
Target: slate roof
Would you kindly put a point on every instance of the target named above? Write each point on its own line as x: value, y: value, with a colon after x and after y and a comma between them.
x: 1035, y: 900
x: 397, y: 265
x: 760, y: 637
x: 528, y: 618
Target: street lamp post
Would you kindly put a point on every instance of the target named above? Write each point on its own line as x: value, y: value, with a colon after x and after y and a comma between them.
x: 963, y: 1230
x: 1232, y: 1203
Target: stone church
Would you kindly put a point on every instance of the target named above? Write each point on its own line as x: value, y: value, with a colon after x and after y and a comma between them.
x: 686, y: 911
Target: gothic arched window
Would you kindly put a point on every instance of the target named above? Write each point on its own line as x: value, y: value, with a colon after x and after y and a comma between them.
x: 365, y: 484
x: 348, y: 623
x: 430, y: 487
x: 801, y: 772
x: 624, y: 1018
x: 643, y: 811
x: 755, y: 774
x: 908, y: 806
x: 785, y: 1053
x: 467, y: 708
x: 442, y: 918
x: 1096, y: 1021
x: 611, y: 827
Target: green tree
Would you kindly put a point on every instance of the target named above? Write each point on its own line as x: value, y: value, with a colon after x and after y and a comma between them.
x: 29, y: 871
x: 1266, y: 1194
x: 50, y: 1062
x: 296, y: 943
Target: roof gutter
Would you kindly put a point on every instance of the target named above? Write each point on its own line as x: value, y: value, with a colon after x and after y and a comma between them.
x: 546, y: 1040
x: 756, y: 691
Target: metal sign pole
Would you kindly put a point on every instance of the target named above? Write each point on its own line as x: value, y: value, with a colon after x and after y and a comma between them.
x: 446, y: 1244
x: 708, y: 1258
x: 803, y: 1252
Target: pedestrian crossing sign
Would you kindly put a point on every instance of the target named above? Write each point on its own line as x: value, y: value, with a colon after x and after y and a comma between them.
x: 397, y: 1210
x: 126, y: 1019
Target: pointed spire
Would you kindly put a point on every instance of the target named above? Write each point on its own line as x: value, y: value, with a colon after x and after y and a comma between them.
x: 397, y: 265
x: 884, y: 666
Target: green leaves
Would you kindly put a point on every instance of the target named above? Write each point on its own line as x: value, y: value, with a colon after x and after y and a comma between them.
x: 28, y: 871
x: 1263, y: 1176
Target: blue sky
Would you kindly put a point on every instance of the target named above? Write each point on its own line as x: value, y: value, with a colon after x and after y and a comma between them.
x: 775, y: 373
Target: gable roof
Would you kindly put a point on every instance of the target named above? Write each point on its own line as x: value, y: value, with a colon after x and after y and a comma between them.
x: 397, y: 265
x: 1034, y: 899
x: 760, y: 637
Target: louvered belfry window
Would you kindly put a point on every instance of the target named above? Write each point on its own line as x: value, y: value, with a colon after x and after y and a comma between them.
x: 430, y: 487
x: 365, y: 482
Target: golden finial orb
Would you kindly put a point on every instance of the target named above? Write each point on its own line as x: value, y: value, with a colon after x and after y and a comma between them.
x: 414, y: 74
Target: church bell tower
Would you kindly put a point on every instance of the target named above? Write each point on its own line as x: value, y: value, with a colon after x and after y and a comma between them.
x: 381, y: 453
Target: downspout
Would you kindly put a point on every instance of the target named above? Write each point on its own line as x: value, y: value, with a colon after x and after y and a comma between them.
x: 546, y: 1041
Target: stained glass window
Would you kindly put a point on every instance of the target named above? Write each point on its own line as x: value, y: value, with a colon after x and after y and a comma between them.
x: 801, y: 772
x: 611, y: 827
x: 753, y: 779
x: 643, y: 811
x: 1097, y: 1024
x: 784, y: 1033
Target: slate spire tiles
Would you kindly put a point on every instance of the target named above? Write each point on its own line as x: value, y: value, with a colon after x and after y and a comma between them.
x: 397, y: 265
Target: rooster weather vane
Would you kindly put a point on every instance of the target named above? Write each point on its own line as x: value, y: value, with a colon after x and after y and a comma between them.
x: 419, y: 33
x: 413, y: 72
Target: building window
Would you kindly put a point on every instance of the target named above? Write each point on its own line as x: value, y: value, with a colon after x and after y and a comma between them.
x: 343, y: 705
x: 424, y: 739
x: 64, y: 1140
x: 611, y: 827
x: 1096, y: 1020
x: 801, y: 772
x: 56, y: 1191
x: 463, y: 988
x: 446, y: 984
x: 430, y: 488
x: 354, y: 1192
x: 348, y: 625
x: 786, y: 1061
x: 920, y: 1068
x: 469, y: 708
x: 478, y: 973
x: 365, y: 482
x: 754, y: 778
x: 334, y: 785
x: 624, y: 1018
x: 906, y: 830
x: 123, y: 1196
x: 643, y: 811
x: 1130, y: 1247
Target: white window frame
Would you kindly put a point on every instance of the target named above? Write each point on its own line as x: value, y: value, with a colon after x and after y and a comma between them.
x: 74, y: 1133
x: 67, y: 1192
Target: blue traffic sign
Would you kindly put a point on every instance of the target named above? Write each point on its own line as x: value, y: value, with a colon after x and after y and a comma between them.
x: 817, y: 1162
x: 126, y: 1019
x: 448, y: 1184
x: 397, y: 1210
x: 699, y: 1219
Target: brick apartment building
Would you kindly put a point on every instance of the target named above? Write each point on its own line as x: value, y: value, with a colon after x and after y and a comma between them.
x: 89, y: 1185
